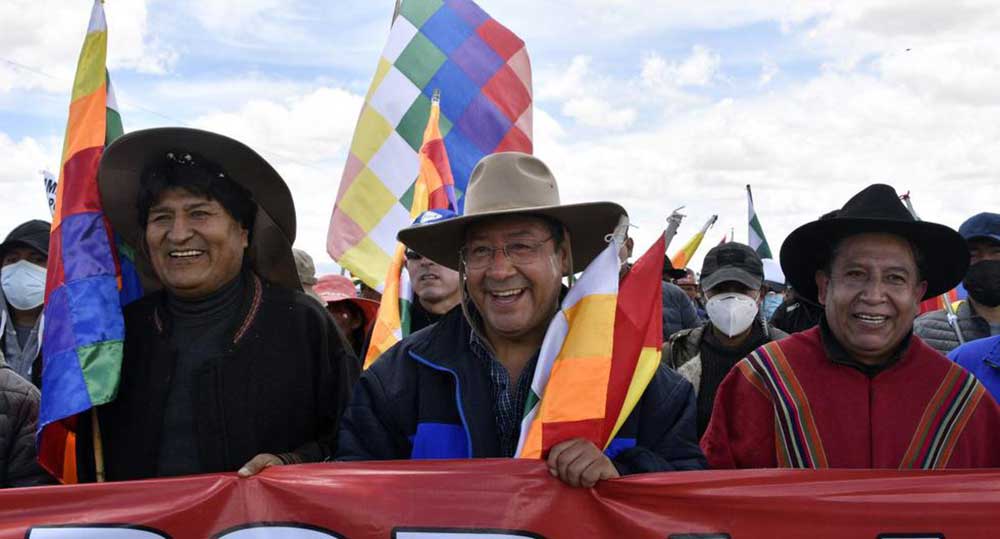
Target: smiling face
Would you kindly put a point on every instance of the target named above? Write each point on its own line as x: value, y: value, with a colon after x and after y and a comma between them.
x: 516, y: 301
x: 871, y: 295
x: 194, y: 244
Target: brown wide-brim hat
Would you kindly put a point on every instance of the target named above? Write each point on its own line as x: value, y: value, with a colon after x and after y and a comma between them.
x: 270, y: 250
x: 876, y: 209
x: 515, y: 183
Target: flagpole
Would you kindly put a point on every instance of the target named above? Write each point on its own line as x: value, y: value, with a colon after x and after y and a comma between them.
x: 673, y: 223
x: 98, y: 445
x: 949, y: 309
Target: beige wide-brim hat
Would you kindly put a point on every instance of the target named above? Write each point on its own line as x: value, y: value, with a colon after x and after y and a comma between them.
x: 515, y: 183
x: 118, y: 177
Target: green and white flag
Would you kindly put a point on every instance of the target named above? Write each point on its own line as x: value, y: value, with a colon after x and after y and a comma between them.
x: 755, y: 236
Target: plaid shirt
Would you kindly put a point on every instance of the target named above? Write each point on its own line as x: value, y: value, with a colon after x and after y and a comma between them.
x: 508, y: 406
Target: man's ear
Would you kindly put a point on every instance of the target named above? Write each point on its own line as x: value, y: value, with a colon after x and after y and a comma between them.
x: 921, y: 290
x: 629, y: 245
x: 565, y: 254
x: 822, y: 284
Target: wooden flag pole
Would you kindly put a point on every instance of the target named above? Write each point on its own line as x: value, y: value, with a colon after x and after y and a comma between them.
x: 98, y: 445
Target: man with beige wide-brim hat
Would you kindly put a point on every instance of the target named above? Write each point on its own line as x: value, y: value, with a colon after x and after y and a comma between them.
x: 457, y: 389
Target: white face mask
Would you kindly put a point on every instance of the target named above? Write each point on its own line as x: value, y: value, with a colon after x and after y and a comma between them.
x: 23, y: 285
x: 731, y: 313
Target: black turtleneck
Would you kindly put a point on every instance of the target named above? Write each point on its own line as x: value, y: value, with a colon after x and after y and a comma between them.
x: 717, y: 359
x: 200, y: 333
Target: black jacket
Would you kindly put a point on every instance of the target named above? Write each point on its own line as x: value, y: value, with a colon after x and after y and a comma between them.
x: 429, y: 397
x: 18, y: 418
x: 280, y: 388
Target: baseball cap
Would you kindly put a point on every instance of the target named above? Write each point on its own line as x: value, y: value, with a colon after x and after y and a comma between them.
x: 982, y: 225
x: 732, y: 262
x: 34, y: 234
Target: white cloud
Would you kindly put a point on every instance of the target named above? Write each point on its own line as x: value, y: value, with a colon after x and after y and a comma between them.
x: 43, y: 38
x: 21, y: 179
x: 305, y: 138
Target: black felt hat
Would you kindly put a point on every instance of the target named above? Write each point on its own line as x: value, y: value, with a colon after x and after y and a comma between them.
x: 876, y: 209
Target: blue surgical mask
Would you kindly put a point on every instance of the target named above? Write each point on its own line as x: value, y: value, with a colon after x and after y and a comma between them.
x: 771, y: 303
x: 23, y: 284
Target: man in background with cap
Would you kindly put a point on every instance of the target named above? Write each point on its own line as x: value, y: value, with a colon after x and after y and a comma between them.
x: 979, y: 315
x: 24, y: 255
x: 435, y: 287
x: 458, y: 389
x: 859, y: 391
x: 732, y: 279
x: 227, y: 365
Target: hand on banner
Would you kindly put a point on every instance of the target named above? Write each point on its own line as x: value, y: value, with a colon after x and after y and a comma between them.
x: 579, y: 463
x: 258, y: 463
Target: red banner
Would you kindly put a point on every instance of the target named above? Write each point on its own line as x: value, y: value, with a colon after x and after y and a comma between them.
x: 507, y: 499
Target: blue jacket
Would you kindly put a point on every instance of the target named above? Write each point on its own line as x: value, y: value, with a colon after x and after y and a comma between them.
x: 981, y: 357
x: 429, y: 397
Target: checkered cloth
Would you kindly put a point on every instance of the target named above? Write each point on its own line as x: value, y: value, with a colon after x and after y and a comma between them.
x: 483, y: 73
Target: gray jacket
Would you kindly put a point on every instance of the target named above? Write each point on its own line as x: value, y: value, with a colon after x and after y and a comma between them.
x: 21, y: 360
x: 19, y: 402
x: 683, y: 351
x: 933, y: 327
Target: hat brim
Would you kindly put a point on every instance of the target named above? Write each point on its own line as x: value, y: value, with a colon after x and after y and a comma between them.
x: 807, y: 248
x: 118, y: 179
x: 588, y: 223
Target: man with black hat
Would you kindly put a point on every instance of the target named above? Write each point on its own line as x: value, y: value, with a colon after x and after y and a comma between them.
x: 732, y: 281
x: 24, y: 255
x: 859, y: 391
x: 227, y: 365
x: 979, y: 315
x: 458, y: 388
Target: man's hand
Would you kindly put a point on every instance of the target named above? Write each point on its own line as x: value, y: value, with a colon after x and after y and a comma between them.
x: 579, y: 463
x: 258, y: 463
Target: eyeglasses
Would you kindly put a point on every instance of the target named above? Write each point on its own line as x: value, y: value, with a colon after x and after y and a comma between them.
x: 519, y: 252
x: 410, y: 254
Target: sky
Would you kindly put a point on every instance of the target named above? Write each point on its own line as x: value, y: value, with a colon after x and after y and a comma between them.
x: 653, y: 104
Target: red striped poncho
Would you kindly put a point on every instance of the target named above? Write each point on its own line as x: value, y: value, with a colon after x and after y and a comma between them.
x: 787, y: 405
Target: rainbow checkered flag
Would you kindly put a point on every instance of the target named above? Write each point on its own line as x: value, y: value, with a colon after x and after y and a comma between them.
x: 87, y: 281
x: 434, y: 189
x: 599, y: 354
x: 483, y: 72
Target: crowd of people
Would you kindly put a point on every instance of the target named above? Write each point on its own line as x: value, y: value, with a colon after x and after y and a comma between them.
x: 239, y: 357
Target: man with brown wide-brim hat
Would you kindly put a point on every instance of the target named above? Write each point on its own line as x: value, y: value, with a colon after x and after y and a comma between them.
x: 227, y: 364
x: 860, y: 390
x: 458, y: 388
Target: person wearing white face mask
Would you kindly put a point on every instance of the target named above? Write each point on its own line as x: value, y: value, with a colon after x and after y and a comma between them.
x: 732, y: 279
x: 24, y: 255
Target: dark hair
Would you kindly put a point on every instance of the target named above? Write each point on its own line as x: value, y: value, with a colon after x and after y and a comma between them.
x: 197, y: 176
